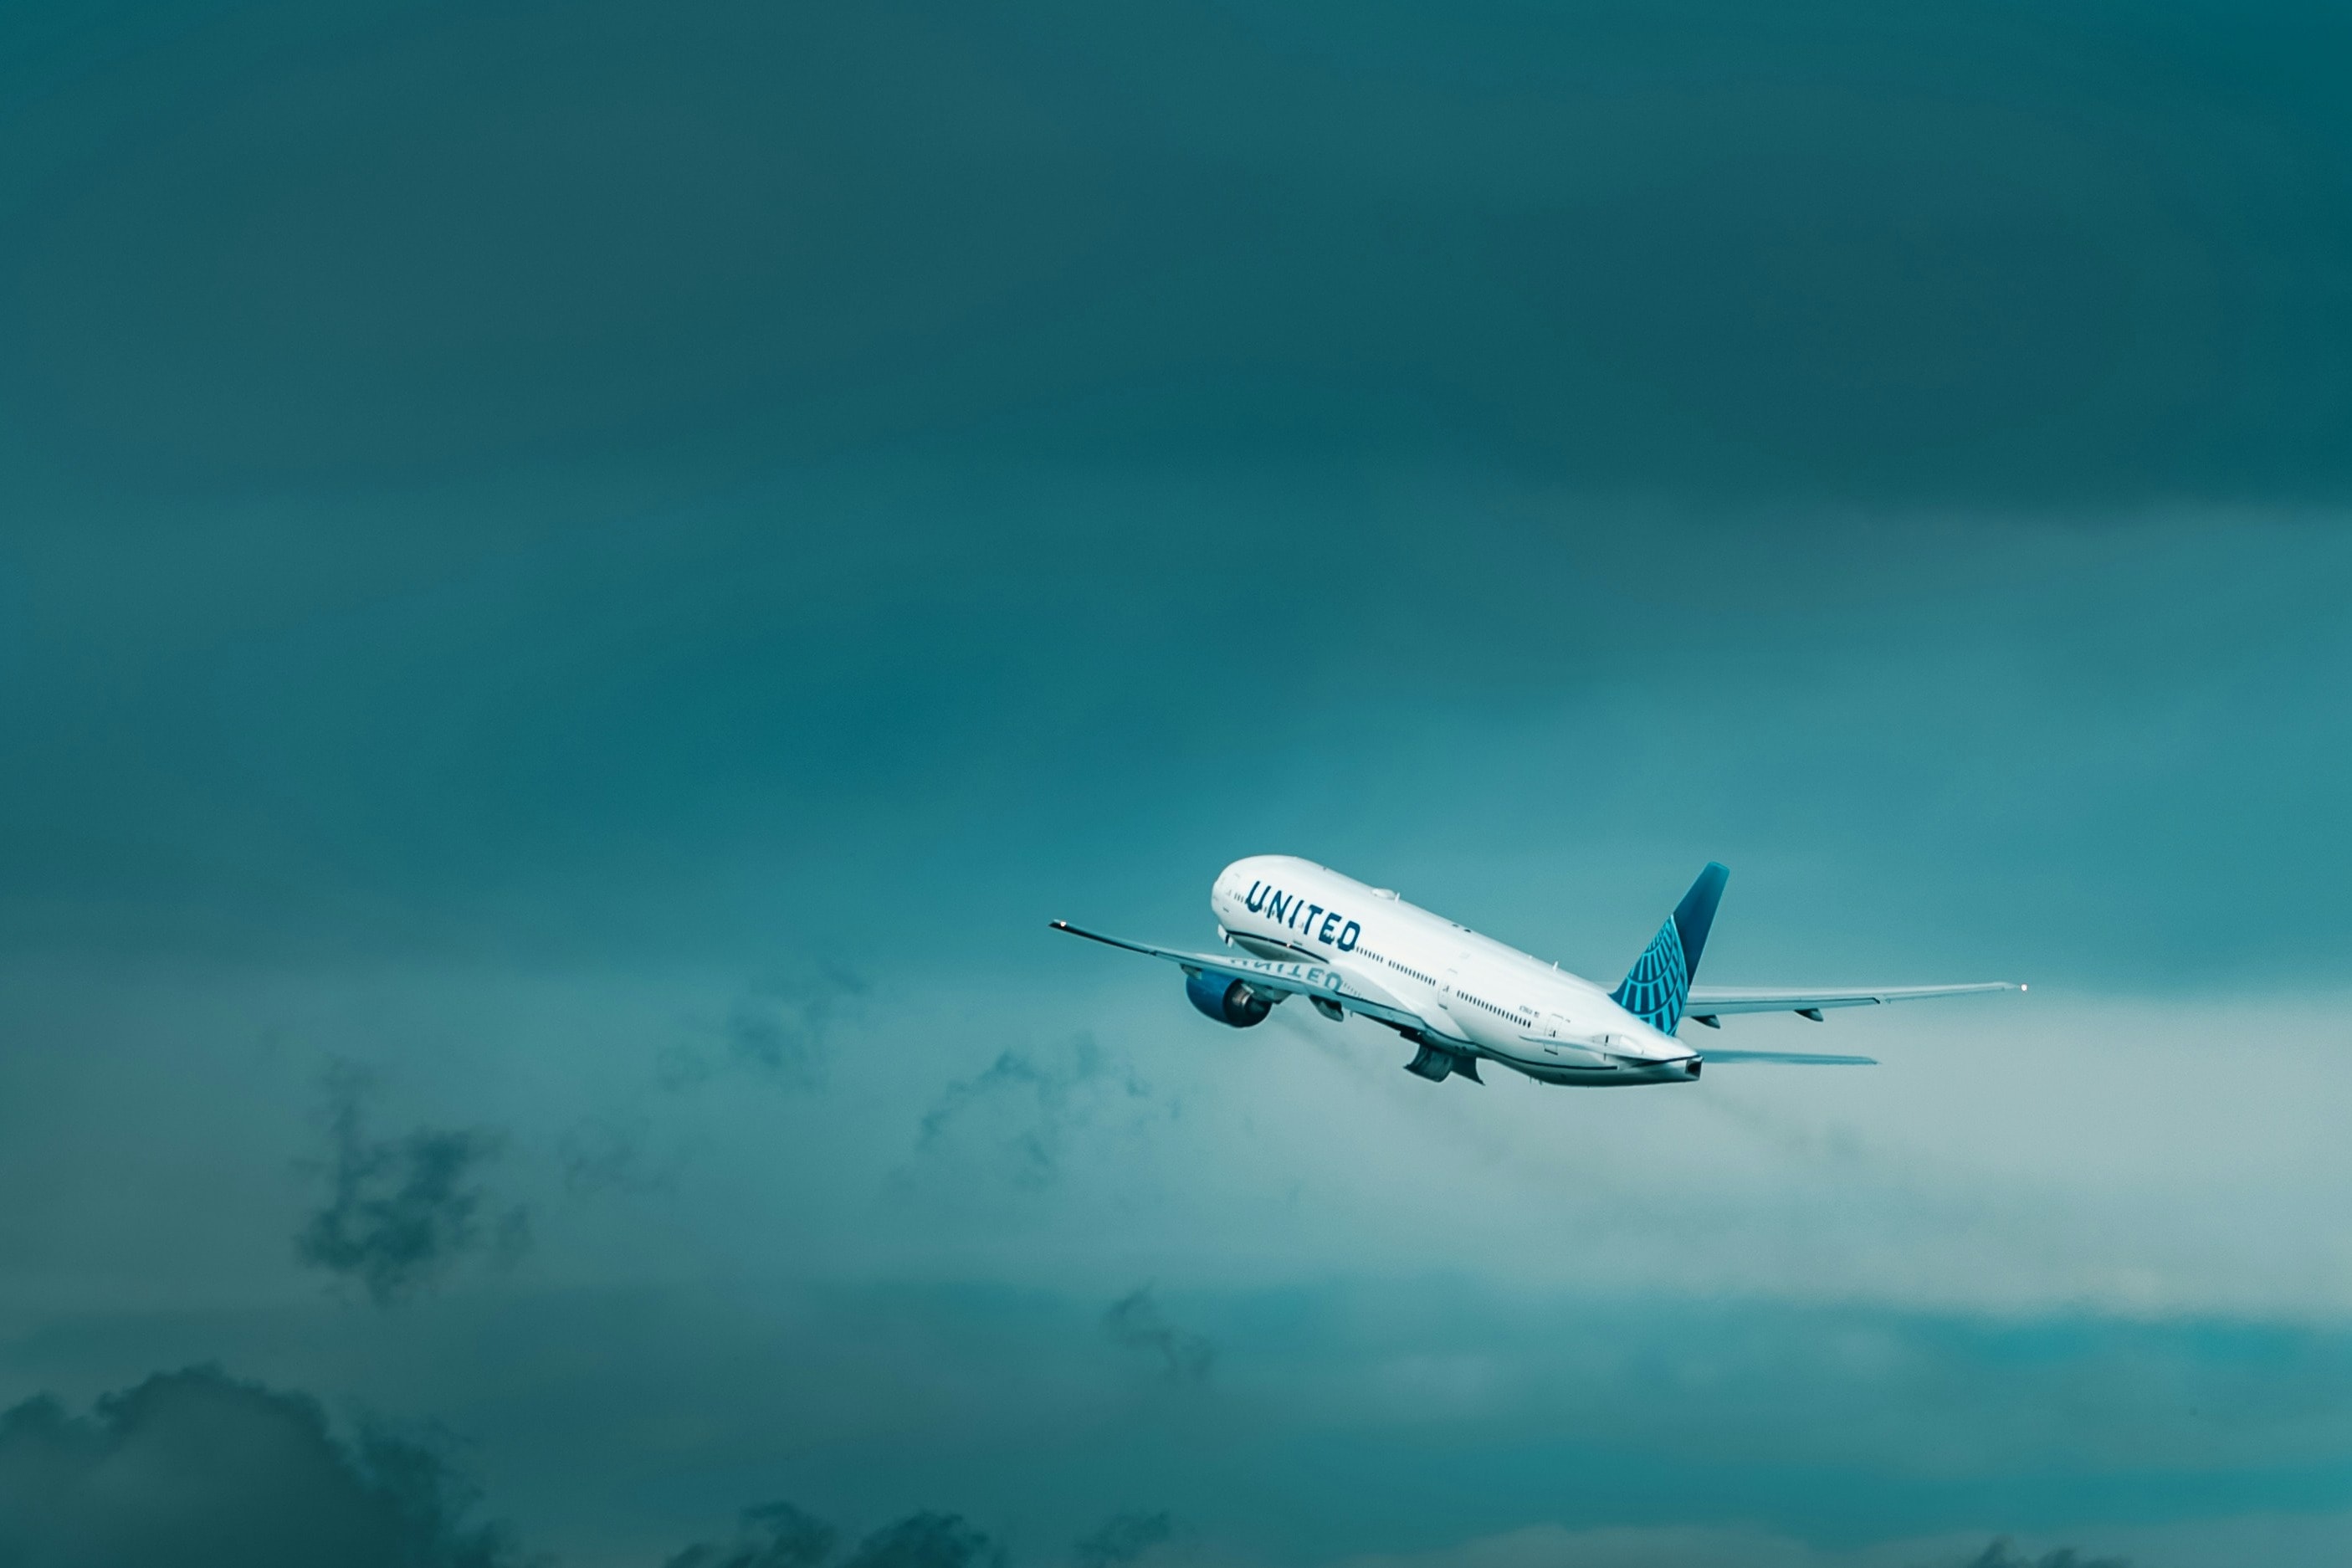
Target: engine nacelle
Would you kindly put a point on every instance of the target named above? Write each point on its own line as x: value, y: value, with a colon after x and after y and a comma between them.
x: 1227, y: 1001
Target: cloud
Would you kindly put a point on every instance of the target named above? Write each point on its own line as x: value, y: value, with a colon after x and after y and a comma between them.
x: 783, y: 1030
x: 2002, y: 1553
x: 1791, y: 249
x: 402, y: 1211
x: 778, y: 1535
x: 1122, y: 1538
x: 1136, y: 1323
x: 1719, y: 1546
x: 195, y: 1469
x: 927, y: 1540
x: 610, y: 1155
x: 1020, y: 1112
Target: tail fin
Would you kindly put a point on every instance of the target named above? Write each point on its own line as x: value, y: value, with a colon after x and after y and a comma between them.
x: 1660, y: 981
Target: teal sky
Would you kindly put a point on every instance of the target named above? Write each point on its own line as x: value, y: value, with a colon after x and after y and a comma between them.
x: 578, y: 582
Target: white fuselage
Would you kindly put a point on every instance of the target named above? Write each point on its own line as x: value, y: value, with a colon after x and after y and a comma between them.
x: 1481, y: 998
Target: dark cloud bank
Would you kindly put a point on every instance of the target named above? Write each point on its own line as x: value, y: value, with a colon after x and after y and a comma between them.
x: 1979, y: 250
x: 195, y: 1470
x: 655, y: 462
x: 198, y: 1470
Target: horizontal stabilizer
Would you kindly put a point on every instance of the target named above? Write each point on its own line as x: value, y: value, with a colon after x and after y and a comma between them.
x: 1709, y: 1002
x: 1789, y: 1058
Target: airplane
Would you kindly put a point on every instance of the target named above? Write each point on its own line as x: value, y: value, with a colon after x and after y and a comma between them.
x: 1462, y: 998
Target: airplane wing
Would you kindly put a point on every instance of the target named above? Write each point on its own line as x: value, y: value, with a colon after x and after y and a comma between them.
x: 1787, y: 1058
x: 1709, y: 1002
x: 1321, y: 981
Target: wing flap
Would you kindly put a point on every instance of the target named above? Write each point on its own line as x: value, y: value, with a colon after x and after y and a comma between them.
x: 1321, y: 981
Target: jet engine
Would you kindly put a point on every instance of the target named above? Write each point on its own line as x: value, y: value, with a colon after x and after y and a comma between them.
x: 1227, y: 1001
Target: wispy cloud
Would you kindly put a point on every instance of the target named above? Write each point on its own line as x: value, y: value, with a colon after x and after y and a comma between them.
x: 775, y: 1535
x: 611, y: 1154
x: 780, y: 1535
x: 2004, y: 1553
x: 782, y: 1031
x: 1135, y: 1321
x: 401, y: 1212
x: 927, y: 1540
x: 1020, y: 1114
x: 1122, y: 1538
